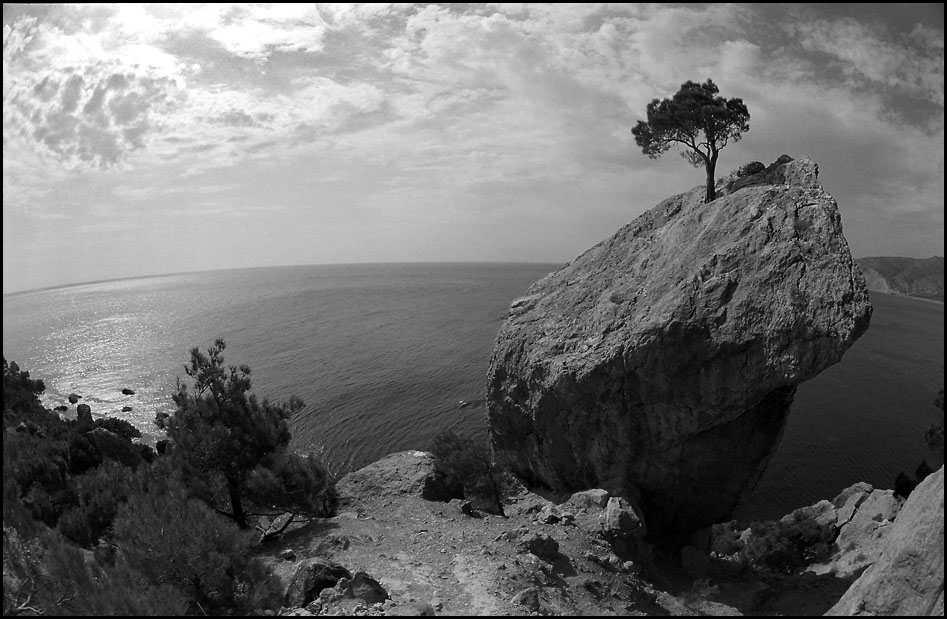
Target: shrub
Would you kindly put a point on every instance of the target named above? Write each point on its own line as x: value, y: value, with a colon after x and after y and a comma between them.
x: 169, y: 537
x: 725, y: 539
x: 99, y: 494
x: 788, y: 545
x: 465, y: 470
x: 119, y: 426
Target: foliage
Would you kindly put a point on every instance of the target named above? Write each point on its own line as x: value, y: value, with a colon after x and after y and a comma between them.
x: 226, y: 442
x: 44, y: 574
x: 725, y: 539
x: 119, y: 426
x: 19, y: 391
x: 786, y: 545
x: 934, y: 436
x: 904, y: 484
x: 465, y: 470
x: 697, y: 119
x: 98, y: 496
x: 170, y: 537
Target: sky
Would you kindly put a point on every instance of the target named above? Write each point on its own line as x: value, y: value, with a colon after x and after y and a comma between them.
x: 149, y: 139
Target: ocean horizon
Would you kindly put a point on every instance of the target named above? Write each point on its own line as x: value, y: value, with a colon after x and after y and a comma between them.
x: 386, y: 355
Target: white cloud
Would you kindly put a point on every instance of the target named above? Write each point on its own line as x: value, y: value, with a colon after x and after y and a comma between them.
x: 867, y: 55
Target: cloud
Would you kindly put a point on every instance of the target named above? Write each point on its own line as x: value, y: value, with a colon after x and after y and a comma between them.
x: 97, y: 118
x: 866, y: 55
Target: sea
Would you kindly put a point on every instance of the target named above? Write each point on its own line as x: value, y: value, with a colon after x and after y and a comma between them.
x: 386, y: 356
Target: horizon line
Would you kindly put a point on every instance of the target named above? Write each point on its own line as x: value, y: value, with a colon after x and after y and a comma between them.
x: 273, y: 266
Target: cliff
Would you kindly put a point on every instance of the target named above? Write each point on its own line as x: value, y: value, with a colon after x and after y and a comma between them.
x: 908, y: 577
x: 911, y: 276
x: 661, y: 364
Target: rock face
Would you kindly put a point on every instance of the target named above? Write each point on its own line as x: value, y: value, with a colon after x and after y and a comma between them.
x: 660, y: 365
x: 908, y: 578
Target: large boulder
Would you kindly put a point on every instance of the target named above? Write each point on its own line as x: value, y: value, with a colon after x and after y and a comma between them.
x: 405, y: 473
x: 908, y: 577
x: 660, y: 365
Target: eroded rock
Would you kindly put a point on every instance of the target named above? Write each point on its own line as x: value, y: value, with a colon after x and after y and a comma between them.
x: 661, y: 364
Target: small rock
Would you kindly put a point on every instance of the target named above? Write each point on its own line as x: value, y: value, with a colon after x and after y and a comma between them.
x: 533, y: 600
x: 630, y: 567
x: 84, y: 413
x: 126, y: 409
x: 589, y: 498
x: 312, y: 579
x: 73, y: 398
x: 364, y: 587
x: 127, y: 391
x: 61, y: 408
x: 463, y: 506
x: 288, y: 555
x: 539, y: 544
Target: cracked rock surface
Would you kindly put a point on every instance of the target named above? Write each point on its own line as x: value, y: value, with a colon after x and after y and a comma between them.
x: 660, y: 365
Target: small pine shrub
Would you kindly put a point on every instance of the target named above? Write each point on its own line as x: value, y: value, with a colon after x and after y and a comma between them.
x: 788, y: 545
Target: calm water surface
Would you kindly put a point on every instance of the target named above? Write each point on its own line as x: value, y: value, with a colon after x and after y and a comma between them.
x: 383, y: 355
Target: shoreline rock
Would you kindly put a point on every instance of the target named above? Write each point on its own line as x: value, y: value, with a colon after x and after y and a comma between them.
x: 660, y: 365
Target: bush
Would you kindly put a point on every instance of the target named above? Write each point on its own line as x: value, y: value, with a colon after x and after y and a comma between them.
x: 169, y: 537
x: 788, y: 545
x: 45, y: 575
x: 725, y: 539
x: 99, y: 494
x: 119, y: 426
x: 465, y: 470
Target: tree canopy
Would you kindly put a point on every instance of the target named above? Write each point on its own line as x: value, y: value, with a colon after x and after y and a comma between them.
x: 234, y: 450
x: 697, y: 119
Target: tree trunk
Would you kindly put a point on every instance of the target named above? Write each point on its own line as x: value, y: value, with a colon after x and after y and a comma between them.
x: 236, y: 505
x: 711, y: 166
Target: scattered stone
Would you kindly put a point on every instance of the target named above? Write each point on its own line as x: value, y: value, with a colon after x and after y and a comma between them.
x: 61, y: 408
x: 366, y: 588
x: 288, y: 555
x: 539, y: 544
x: 549, y: 515
x: 621, y: 519
x: 311, y: 579
x: 126, y: 409
x: 412, y: 609
x: 531, y: 599
x: 161, y: 420
x: 73, y: 398
x: 589, y: 498
x: 463, y: 506
x: 127, y: 391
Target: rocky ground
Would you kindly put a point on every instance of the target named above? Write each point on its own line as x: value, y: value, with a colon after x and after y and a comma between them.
x: 430, y: 557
